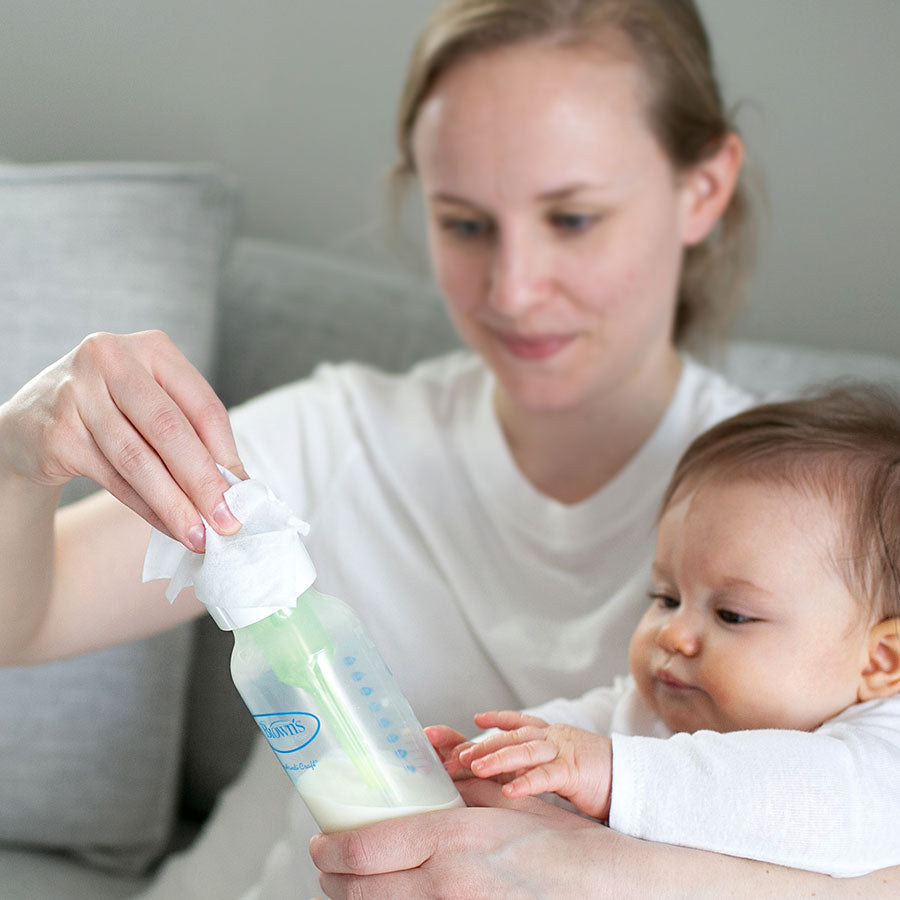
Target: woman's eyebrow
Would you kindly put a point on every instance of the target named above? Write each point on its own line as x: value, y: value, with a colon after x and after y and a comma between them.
x: 455, y: 200
x: 563, y: 192
x: 568, y: 190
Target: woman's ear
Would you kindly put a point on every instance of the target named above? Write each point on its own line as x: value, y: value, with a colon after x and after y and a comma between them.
x: 707, y: 188
x: 881, y: 675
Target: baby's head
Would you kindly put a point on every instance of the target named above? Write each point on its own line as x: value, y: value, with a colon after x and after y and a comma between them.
x: 776, y: 598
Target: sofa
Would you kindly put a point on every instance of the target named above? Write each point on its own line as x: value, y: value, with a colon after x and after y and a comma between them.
x: 112, y: 761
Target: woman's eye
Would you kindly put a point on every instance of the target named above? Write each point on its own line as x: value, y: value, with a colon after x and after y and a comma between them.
x: 572, y: 222
x: 733, y: 618
x: 465, y: 228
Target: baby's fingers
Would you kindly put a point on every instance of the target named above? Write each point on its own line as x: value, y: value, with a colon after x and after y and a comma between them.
x: 448, y: 743
x: 513, y: 758
x: 506, y: 719
x: 550, y: 777
x: 500, y: 739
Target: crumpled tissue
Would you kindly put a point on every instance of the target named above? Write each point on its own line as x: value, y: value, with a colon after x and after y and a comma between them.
x: 263, y: 567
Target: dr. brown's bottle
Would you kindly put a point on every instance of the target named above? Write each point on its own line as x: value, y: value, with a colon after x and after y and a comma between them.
x: 333, y: 714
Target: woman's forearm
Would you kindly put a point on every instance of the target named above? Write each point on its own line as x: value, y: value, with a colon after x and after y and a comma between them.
x: 70, y: 579
x: 635, y: 868
x: 533, y: 849
x: 26, y: 559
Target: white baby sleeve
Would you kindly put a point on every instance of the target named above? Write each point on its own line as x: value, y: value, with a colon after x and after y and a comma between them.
x: 827, y: 801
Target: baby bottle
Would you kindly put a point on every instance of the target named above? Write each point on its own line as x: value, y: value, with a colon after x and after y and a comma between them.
x: 306, y: 668
x: 334, y: 716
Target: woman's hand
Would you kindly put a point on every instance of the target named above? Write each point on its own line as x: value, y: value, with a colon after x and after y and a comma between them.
x: 460, y: 853
x: 131, y: 413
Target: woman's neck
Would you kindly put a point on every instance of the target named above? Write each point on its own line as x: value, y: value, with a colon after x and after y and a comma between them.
x: 571, y: 454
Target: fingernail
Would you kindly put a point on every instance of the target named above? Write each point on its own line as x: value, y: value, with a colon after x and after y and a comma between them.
x: 224, y: 520
x: 197, y: 538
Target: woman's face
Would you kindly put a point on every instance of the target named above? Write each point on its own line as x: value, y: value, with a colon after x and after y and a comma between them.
x: 556, y: 223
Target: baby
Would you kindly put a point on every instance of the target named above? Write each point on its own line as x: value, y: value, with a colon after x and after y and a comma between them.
x: 761, y: 716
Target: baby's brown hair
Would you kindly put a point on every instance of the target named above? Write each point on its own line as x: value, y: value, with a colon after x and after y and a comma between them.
x: 843, y: 445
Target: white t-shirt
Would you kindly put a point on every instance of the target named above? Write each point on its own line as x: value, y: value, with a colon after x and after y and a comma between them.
x: 827, y: 801
x: 478, y: 590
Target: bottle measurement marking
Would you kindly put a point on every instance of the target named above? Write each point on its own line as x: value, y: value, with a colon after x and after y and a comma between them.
x: 375, y: 707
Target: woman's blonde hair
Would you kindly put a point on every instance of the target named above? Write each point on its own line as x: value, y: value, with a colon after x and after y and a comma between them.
x: 685, y: 109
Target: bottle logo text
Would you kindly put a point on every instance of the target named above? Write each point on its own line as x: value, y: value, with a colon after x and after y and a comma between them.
x: 288, y: 732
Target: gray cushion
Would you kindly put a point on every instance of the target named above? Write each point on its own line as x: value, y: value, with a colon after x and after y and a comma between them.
x: 284, y: 309
x: 90, y: 748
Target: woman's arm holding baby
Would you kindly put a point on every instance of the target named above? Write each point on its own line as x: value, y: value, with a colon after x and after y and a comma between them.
x: 513, y: 848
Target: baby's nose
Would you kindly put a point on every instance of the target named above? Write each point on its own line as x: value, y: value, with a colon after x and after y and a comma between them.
x: 678, y: 635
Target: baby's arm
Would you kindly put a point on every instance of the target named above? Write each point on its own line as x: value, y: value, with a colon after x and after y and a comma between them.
x: 568, y: 761
x: 826, y: 801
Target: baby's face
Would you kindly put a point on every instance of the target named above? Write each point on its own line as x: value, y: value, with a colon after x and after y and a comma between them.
x: 750, y: 625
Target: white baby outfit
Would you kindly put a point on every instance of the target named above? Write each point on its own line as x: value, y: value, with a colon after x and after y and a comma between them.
x: 826, y: 801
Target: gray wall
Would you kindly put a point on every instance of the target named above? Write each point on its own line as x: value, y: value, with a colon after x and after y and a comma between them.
x: 296, y: 97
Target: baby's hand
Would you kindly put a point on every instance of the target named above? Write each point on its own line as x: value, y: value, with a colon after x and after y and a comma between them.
x: 573, y: 763
x: 449, y: 743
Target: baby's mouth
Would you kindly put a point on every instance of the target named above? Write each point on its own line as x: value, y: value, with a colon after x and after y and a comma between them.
x: 667, y: 679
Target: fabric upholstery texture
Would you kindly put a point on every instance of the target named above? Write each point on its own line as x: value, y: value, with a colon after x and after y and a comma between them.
x: 285, y: 309
x: 90, y: 748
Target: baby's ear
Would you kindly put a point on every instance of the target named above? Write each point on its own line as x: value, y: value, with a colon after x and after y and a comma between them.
x: 881, y: 675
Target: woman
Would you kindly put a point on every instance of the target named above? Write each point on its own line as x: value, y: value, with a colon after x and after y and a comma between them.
x: 579, y: 179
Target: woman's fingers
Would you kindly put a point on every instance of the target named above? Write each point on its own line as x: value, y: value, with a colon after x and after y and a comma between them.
x: 145, y: 435
x: 156, y: 439
x: 202, y: 407
x: 131, y: 413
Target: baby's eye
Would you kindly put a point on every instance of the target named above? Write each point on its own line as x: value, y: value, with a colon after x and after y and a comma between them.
x: 733, y: 618
x: 572, y: 222
x: 665, y: 601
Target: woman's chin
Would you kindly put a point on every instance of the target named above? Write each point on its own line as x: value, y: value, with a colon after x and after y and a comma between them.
x: 539, y: 395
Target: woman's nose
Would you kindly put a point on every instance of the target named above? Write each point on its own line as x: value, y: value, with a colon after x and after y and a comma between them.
x: 679, y: 635
x: 517, y: 278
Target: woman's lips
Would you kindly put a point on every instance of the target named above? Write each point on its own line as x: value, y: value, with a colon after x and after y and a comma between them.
x: 534, y: 348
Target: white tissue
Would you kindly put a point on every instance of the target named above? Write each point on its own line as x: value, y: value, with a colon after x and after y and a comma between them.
x: 242, y: 577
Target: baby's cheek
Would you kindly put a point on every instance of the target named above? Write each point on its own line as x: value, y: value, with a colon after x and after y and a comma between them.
x: 747, y: 707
